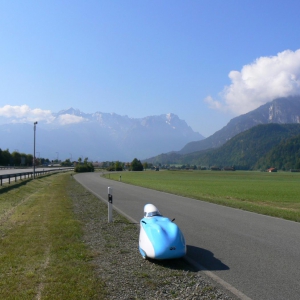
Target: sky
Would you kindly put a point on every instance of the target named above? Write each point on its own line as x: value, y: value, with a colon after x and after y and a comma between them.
x: 206, y: 61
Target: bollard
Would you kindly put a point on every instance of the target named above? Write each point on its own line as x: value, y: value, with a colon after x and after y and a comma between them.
x: 120, y: 178
x: 110, y: 203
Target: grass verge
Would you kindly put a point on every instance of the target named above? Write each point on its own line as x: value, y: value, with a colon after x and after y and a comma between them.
x: 42, y: 255
x: 273, y: 194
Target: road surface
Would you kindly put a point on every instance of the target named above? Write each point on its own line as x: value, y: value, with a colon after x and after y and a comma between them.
x: 255, y: 254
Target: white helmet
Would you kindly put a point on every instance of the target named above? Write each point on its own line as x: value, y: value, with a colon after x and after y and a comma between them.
x: 150, y: 210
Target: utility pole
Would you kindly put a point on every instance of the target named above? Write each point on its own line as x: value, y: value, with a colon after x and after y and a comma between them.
x: 34, y: 130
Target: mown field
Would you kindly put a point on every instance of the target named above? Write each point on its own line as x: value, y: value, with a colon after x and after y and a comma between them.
x: 42, y: 255
x: 56, y: 243
x: 274, y: 194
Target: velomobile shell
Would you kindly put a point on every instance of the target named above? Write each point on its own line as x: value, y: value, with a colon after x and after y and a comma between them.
x: 160, y: 238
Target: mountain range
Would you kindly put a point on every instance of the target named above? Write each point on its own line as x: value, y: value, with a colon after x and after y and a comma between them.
x: 99, y: 136
x: 280, y: 111
x: 108, y: 136
x: 247, y: 141
x: 260, y: 147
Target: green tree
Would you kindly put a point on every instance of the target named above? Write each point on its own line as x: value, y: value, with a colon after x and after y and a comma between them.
x: 5, y: 158
x: 45, y: 161
x: 136, y: 165
x: 66, y: 163
x: 85, y: 167
x: 16, y: 156
x: 118, y: 166
x: 29, y: 160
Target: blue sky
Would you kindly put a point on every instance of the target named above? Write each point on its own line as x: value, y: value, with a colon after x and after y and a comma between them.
x: 206, y: 61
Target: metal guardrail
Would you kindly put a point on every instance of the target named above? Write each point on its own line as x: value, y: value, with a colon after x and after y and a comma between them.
x: 29, y: 174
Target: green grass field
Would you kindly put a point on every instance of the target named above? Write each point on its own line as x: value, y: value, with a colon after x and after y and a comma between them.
x: 274, y: 194
x: 42, y: 255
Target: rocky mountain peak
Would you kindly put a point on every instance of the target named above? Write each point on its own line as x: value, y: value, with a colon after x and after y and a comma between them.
x: 281, y: 110
x: 103, y: 136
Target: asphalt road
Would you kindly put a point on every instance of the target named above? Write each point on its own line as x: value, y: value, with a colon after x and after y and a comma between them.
x: 257, y: 255
x: 13, y: 171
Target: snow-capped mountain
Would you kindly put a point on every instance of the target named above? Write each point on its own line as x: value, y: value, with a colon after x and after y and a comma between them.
x: 99, y: 136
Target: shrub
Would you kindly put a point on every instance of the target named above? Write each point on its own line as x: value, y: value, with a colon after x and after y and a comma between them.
x: 88, y: 167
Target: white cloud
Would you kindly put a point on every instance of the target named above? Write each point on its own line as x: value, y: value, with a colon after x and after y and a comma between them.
x: 25, y: 114
x: 69, y: 119
x: 214, y: 104
x: 262, y: 81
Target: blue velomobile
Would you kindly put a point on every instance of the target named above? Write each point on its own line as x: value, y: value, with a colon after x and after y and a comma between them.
x: 160, y: 238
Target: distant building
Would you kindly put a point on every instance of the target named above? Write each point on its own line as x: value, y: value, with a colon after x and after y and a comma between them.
x: 229, y: 168
x: 214, y: 168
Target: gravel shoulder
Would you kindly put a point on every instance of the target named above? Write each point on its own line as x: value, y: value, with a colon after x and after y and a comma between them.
x: 117, y: 261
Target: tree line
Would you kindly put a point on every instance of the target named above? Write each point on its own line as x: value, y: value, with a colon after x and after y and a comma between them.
x: 259, y: 148
x: 135, y: 165
x: 19, y: 159
x: 84, y: 166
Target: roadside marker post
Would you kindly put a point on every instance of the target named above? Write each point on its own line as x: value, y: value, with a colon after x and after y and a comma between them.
x: 110, y: 203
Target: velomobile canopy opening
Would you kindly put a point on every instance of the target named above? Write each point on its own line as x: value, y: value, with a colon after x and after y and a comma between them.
x: 150, y: 211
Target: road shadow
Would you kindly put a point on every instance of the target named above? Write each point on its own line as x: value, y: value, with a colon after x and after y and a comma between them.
x: 201, y: 256
x: 205, y: 258
x: 6, y: 187
x: 174, y: 264
x: 13, y: 185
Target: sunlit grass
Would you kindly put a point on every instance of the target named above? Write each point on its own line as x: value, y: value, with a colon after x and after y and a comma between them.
x: 42, y: 255
x: 275, y: 194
